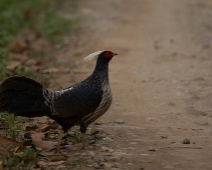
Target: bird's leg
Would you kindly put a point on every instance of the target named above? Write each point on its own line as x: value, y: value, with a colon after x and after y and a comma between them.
x: 83, y: 140
x: 59, y: 141
x: 83, y: 130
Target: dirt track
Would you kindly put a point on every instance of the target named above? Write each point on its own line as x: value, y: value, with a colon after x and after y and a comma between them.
x: 161, y: 79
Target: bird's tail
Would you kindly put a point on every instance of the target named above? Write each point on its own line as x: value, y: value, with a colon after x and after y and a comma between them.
x: 23, y: 97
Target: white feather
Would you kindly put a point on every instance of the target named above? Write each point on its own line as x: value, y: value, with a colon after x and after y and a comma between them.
x: 92, y: 56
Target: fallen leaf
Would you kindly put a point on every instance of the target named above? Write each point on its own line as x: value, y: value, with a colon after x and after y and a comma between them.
x: 42, y: 163
x: 38, y: 66
x: 43, y: 119
x: 18, y: 46
x: 13, y: 65
x: 48, y: 127
x: 55, y: 158
x: 19, y: 57
x: 8, y: 141
x: 51, y: 70
x: 37, y: 135
x: 3, y: 155
x: 38, y: 142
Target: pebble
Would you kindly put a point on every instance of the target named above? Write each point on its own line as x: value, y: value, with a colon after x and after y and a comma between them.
x: 85, y: 154
x: 66, y: 71
x: 91, y: 153
x: 201, y: 122
x: 119, y: 121
x: 151, y: 149
x: 96, y: 166
x: 186, y: 141
x: 92, y: 142
x: 114, y: 166
x: 193, y: 111
x: 105, y: 149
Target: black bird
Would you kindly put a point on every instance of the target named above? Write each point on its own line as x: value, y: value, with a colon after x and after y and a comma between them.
x: 80, y: 104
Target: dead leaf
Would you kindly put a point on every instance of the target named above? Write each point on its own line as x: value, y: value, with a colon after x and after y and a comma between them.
x: 19, y: 57
x: 1, y: 168
x: 31, y: 159
x: 55, y: 158
x: 13, y: 65
x: 29, y: 127
x: 8, y: 141
x: 18, y: 46
x: 42, y: 163
x: 44, y: 145
x: 37, y: 135
x: 38, y: 66
x: 48, y: 127
x: 3, y: 155
x: 50, y: 70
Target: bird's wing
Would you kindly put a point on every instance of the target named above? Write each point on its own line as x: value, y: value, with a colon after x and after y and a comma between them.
x: 77, y: 103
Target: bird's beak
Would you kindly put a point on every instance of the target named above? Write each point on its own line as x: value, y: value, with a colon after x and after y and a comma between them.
x: 115, y: 54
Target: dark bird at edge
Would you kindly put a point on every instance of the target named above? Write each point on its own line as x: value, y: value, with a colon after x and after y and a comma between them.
x: 80, y: 104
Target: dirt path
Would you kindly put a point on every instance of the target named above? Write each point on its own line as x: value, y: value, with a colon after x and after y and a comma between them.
x: 161, y: 79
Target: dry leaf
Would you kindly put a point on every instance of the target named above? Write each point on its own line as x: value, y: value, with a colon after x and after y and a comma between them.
x: 3, y: 154
x: 37, y: 135
x: 8, y: 141
x: 42, y: 163
x: 18, y: 46
x: 38, y: 142
x: 50, y: 70
x: 55, y: 158
x: 43, y: 119
x: 18, y: 57
x: 13, y: 65
x: 38, y: 66
x: 48, y: 127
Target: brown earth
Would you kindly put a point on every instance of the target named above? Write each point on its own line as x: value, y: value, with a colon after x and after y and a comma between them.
x: 161, y: 80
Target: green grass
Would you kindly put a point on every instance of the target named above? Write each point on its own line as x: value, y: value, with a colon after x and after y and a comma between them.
x: 42, y: 16
x: 21, y: 159
x: 12, y: 126
x: 17, y: 17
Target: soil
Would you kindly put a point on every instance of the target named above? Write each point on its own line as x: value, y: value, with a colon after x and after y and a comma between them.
x: 161, y: 81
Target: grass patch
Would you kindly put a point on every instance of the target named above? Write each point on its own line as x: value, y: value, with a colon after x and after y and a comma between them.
x: 23, y: 158
x: 12, y: 126
x: 51, y: 20
x: 46, y: 18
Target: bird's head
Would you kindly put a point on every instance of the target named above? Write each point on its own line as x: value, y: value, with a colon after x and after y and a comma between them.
x: 102, y: 55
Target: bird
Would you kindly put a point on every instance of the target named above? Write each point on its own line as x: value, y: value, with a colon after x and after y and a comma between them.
x: 80, y: 104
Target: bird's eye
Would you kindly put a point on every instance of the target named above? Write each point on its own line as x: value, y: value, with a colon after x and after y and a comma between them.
x: 108, y: 54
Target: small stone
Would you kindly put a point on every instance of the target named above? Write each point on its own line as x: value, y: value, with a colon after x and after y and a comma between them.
x: 201, y: 122
x: 119, y: 121
x: 92, y: 142
x: 186, y: 141
x: 96, y: 166
x: 151, y: 149
x: 91, y: 153
x: 105, y: 149
x: 114, y: 166
x: 76, y: 154
x: 85, y: 154
x: 66, y: 71
x: 110, y: 150
x: 101, y: 164
x: 172, y: 142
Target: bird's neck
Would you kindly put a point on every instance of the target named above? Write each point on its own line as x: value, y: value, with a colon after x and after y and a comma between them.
x: 101, y: 67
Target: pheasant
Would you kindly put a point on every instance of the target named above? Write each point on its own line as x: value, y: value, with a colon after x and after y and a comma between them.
x: 80, y: 104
